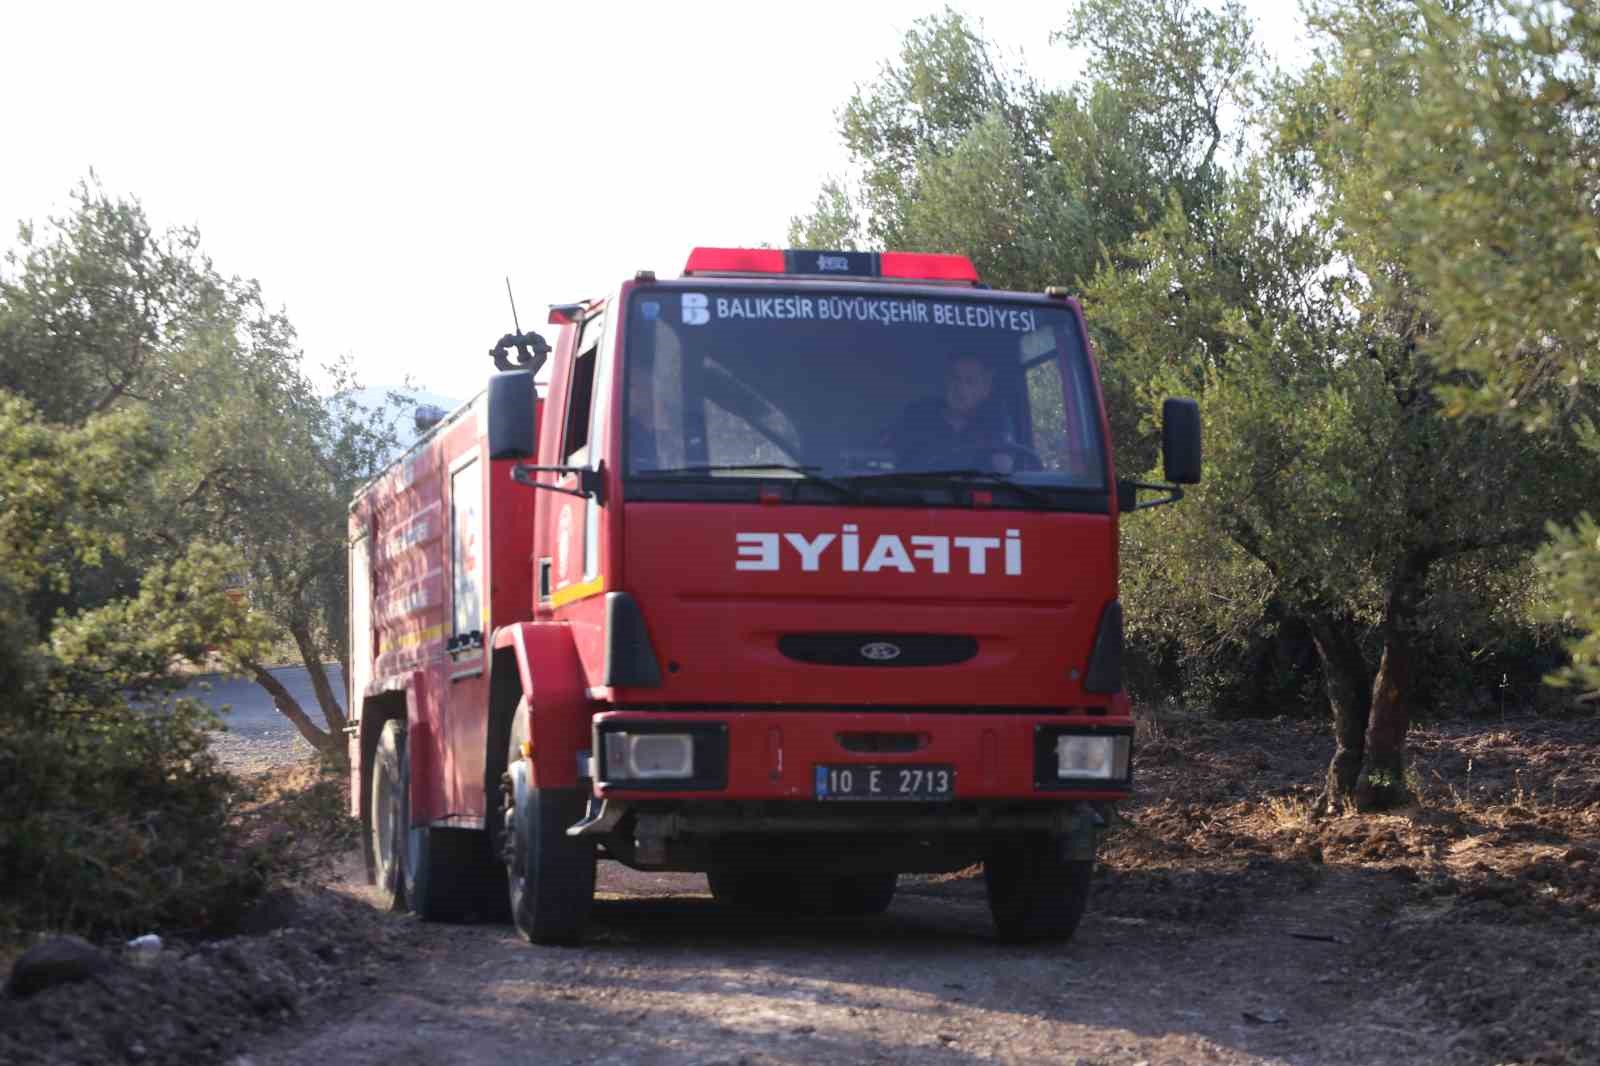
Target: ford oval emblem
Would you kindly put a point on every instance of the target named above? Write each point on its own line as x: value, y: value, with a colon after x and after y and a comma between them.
x: 880, y: 651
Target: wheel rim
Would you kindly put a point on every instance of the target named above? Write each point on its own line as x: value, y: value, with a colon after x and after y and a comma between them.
x: 385, y: 824
x: 514, y: 849
x: 383, y: 821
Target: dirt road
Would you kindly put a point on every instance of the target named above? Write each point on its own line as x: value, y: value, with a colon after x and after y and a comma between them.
x: 1226, y: 926
x: 670, y: 977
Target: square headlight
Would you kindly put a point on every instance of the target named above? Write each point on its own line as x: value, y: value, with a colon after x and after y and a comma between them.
x: 671, y: 755
x: 649, y: 756
x: 1075, y: 757
x: 1103, y: 758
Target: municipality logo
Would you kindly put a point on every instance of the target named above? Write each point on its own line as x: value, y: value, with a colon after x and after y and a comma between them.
x: 696, y: 309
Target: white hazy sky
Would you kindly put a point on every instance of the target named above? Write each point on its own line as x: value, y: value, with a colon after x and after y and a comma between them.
x: 381, y: 168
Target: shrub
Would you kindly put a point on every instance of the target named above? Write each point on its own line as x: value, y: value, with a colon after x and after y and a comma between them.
x: 120, y: 823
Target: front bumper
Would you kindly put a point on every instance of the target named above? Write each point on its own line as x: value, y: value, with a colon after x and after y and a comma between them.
x: 772, y: 755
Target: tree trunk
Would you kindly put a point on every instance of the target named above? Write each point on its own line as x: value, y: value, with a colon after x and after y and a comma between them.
x: 330, y: 745
x: 1383, y: 785
x: 311, y: 655
x: 1344, y: 672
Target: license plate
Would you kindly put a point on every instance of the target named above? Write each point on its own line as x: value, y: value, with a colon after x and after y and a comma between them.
x: 866, y: 782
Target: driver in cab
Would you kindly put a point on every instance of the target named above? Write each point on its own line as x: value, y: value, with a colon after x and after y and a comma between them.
x: 963, y: 428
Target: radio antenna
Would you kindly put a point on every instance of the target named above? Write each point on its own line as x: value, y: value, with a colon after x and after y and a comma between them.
x: 513, y: 299
x: 532, y: 349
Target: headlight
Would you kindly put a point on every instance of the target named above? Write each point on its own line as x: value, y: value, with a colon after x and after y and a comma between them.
x: 649, y: 756
x: 1075, y: 757
x: 1094, y: 758
x: 669, y: 756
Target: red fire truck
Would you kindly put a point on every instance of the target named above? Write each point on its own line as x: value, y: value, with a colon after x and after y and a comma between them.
x: 799, y: 570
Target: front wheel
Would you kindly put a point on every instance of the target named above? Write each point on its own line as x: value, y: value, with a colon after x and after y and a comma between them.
x: 550, y: 875
x: 1034, y: 893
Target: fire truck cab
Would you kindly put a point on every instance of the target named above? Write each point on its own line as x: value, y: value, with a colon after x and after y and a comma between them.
x: 799, y: 570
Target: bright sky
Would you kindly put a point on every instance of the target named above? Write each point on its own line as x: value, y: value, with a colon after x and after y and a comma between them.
x: 382, y: 168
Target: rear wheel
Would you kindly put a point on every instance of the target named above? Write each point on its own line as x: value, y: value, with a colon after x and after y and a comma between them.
x: 550, y: 875
x: 453, y: 875
x: 389, y: 816
x: 1034, y: 893
x: 439, y: 868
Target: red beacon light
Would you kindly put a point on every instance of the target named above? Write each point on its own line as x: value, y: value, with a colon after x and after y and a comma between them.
x: 797, y: 262
x: 929, y: 266
x: 734, y: 261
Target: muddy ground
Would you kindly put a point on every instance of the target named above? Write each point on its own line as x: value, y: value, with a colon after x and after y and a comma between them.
x: 1226, y: 927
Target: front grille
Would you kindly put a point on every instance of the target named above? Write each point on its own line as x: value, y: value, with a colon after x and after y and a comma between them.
x: 878, y: 649
x: 706, y: 707
x: 876, y: 743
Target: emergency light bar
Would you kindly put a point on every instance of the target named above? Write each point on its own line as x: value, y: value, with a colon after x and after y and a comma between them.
x: 899, y: 266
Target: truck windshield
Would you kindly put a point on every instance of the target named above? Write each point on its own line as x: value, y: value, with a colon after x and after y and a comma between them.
x: 882, y: 393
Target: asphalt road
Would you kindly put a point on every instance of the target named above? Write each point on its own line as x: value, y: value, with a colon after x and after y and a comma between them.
x: 258, y: 737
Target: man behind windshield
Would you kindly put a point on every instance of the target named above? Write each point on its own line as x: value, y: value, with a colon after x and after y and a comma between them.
x: 964, y: 428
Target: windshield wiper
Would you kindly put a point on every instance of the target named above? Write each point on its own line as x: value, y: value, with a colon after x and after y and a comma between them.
x: 990, y: 477
x: 807, y: 473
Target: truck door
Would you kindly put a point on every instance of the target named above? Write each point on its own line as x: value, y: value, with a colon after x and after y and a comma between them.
x: 360, y: 640
x: 574, y: 532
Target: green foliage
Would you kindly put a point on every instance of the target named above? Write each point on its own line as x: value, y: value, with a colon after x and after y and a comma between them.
x: 945, y: 85
x: 68, y: 493
x: 160, y: 445
x: 954, y: 152
x: 987, y: 198
x: 120, y: 824
x: 1571, y: 562
x: 1167, y: 79
x: 91, y: 304
x: 230, y: 468
x: 1480, y: 166
x: 1242, y: 235
x: 1461, y: 140
x: 832, y: 223
x: 63, y: 492
x: 130, y: 646
x: 1483, y: 163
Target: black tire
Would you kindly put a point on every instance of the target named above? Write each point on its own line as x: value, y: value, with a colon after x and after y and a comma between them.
x: 451, y: 874
x: 1034, y: 894
x: 439, y: 871
x: 388, y: 807
x: 550, y: 876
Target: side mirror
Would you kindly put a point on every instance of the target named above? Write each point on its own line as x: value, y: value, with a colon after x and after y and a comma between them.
x: 1180, y: 441
x: 510, y: 417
